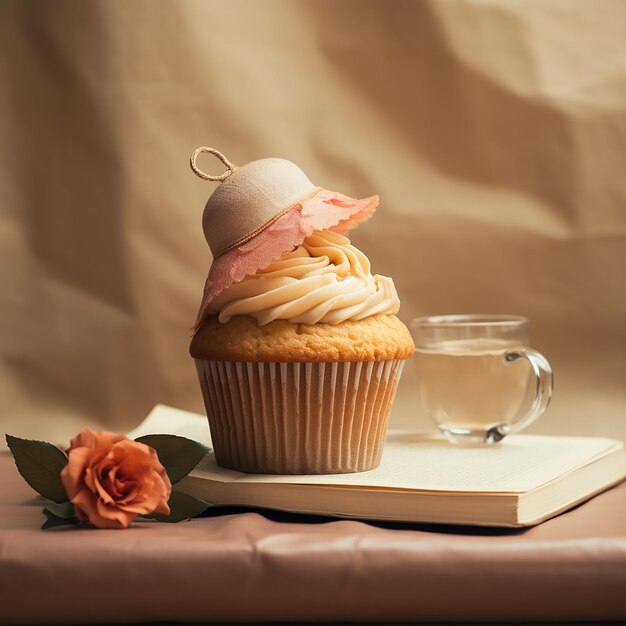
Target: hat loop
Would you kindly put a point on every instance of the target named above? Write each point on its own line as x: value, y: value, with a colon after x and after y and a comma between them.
x: 220, y: 177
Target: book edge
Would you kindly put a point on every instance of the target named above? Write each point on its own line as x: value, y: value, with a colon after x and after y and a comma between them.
x: 616, y: 455
x: 337, y: 504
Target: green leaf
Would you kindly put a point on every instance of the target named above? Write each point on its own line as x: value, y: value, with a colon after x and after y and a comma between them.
x: 65, y: 510
x: 178, y: 455
x: 40, y: 464
x: 53, y: 520
x: 182, y: 507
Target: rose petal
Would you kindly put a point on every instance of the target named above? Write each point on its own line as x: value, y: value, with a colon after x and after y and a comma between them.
x: 111, y: 513
x: 72, y: 473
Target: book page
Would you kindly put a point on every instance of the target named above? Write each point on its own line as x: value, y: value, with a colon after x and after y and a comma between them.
x: 415, y: 461
x: 168, y: 420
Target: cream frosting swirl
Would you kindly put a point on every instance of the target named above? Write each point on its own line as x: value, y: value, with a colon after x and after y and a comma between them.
x: 325, y: 279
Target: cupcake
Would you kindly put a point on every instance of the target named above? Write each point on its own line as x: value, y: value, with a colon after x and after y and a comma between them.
x: 297, y: 346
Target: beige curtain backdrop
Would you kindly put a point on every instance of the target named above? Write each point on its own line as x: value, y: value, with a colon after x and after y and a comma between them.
x: 494, y: 132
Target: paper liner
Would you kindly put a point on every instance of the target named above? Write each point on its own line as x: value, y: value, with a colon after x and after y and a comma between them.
x: 298, y: 418
x: 326, y: 210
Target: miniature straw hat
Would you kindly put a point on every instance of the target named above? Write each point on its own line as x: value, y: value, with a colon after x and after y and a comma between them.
x: 263, y: 210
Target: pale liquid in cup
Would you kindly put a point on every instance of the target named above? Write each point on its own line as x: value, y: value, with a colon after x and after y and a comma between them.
x: 467, y: 385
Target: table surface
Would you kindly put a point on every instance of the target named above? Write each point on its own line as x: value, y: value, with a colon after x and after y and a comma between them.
x: 242, y: 565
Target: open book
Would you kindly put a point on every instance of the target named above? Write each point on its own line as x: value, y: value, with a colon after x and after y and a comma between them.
x: 521, y: 481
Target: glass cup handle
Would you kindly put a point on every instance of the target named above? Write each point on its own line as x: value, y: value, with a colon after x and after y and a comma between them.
x: 543, y: 386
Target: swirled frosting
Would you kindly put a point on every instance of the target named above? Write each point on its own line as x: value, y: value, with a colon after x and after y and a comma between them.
x: 325, y: 279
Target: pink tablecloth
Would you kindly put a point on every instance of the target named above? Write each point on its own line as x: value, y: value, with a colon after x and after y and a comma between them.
x: 249, y: 566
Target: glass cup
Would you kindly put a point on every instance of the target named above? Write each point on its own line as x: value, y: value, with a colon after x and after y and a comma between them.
x: 476, y: 374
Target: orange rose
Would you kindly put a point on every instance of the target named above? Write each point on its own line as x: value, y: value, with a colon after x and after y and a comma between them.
x: 111, y: 479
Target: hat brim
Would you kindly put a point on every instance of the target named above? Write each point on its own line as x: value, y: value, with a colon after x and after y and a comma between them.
x: 325, y: 210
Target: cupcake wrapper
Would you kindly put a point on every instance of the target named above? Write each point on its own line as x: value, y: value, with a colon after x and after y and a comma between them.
x: 298, y: 418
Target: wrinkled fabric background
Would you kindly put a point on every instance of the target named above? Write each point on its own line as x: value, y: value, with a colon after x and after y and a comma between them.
x: 494, y: 132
